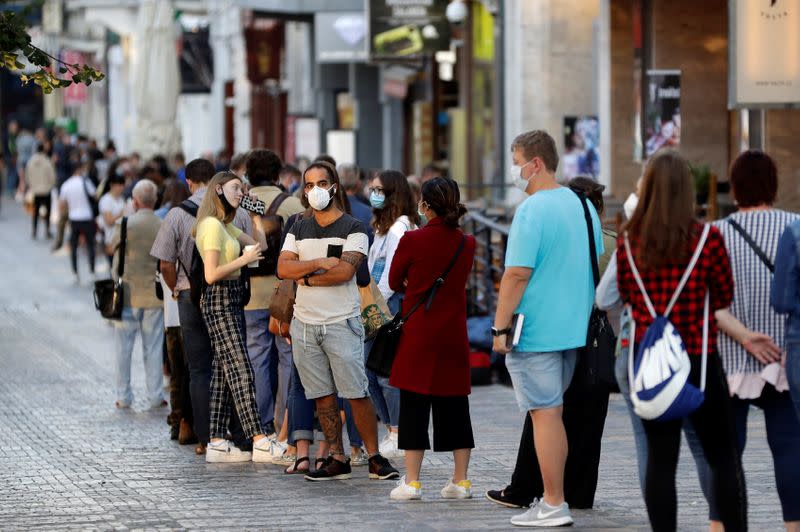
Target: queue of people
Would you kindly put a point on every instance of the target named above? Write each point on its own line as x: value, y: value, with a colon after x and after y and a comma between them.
x: 204, y: 253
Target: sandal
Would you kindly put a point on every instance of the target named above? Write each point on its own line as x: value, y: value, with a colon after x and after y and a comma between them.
x: 318, y: 462
x: 294, y: 469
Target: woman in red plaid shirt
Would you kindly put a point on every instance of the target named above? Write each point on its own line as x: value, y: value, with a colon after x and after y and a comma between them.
x: 663, y: 234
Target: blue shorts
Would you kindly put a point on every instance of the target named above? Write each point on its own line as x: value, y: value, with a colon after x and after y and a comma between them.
x: 540, y: 379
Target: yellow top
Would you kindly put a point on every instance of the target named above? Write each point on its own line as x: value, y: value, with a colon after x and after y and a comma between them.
x: 213, y: 235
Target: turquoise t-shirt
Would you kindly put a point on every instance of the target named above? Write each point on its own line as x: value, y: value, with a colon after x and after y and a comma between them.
x: 548, y: 235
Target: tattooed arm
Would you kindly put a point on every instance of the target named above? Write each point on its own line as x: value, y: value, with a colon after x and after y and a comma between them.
x: 342, y: 272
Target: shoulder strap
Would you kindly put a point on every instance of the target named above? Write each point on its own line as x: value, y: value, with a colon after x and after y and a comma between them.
x: 592, y: 246
x: 429, y: 295
x: 276, y: 203
x: 123, y: 237
x: 190, y: 207
x: 752, y: 243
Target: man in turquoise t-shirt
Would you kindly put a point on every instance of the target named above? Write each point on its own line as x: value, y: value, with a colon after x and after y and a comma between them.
x: 548, y: 279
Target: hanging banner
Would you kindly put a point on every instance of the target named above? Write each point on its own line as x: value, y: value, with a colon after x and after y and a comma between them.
x: 764, y: 53
x: 662, y: 112
x: 407, y: 28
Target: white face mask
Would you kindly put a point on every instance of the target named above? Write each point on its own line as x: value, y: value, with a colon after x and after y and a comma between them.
x: 516, y: 177
x: 320, y: 198
x: 630, y: 205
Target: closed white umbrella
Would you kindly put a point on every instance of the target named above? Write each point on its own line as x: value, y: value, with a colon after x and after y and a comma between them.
x: 156, y: 80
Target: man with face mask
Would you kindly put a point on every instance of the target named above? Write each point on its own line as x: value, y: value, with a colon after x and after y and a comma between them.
x: 322, y: 253
x: 548, y: 279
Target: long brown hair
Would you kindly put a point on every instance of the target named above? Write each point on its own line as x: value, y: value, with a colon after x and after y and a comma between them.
x: 399, y: 202
x: 211, y: 204
x: 662, y: 222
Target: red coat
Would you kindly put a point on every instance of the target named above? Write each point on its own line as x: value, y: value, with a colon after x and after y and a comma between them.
x: 433, y: 355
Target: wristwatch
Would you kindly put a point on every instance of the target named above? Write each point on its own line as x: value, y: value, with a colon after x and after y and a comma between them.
x: 500, y: 332
x: 305, y: 278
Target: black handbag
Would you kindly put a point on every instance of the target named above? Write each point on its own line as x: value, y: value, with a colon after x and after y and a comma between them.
x: 601, y: 343
x: 384, y: 347
x: 108, y: 293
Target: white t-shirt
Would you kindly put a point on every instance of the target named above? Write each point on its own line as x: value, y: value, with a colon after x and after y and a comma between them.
x: 74, y: 193
x: 322, y: 305
x: 382, y: 253
x: 114, y: 206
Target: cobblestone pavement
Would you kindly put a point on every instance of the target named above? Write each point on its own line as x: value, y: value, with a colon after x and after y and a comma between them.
x: 69, y: 459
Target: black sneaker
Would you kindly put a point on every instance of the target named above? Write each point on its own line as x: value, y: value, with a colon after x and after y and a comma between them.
x: 381, y: 469
x: 499, y: 497
x: 332, y: 469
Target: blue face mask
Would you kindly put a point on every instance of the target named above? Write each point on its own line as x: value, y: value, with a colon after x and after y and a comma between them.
x: 377, y: 200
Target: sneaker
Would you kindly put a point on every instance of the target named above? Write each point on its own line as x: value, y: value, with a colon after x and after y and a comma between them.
x: 285, y: 459
x: 406, y: 492
x: 459, y: 490
x: 388, y: 446
x: 500, y: 497
x: 331, y: 469
x: 268, y: 449
x: 359, y: 458
x: 542, y: 514
x: 226, y: 452
x: 381, y: 469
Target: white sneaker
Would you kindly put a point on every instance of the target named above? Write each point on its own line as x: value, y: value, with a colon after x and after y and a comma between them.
x: 406, y: 492
x: 542, y: 514
x: 226, y: 452
x: 460, y: 490
x: 267, y: 450
x: 388, y: 446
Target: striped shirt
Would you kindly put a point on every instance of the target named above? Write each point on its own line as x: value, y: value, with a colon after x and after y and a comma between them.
x: 174, y: 241
x: 752, y: 281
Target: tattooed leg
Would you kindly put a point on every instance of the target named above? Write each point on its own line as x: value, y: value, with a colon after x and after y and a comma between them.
x: 331, y: 422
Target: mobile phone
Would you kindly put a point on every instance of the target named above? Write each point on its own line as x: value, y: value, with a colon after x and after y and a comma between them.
x: 512, y: 339
x: 252, y: 204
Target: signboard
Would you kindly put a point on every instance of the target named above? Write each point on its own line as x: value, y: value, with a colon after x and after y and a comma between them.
x: 662, y: 111
x: 264, y: 42
x: 340, y: 37
x: 764, y: 53
x: 341, y: 145
x: 196, y: 61
x: 407, y: 28
x: 582, y: 147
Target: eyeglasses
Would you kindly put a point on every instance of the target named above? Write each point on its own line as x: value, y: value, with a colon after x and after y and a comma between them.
x: 376, y: 190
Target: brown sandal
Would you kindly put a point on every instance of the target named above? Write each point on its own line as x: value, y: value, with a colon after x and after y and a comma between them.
x: 200, y: 449
x: 294, y: 470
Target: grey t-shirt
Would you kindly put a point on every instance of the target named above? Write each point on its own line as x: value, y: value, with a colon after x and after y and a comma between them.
x: 321, y: 305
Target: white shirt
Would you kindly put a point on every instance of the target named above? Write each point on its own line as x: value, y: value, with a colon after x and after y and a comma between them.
x: 74, y: 193
x: 383, y: 249
x: 114, y: 206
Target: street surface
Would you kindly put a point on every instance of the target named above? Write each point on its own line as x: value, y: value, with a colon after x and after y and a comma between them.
x: 69, y: 459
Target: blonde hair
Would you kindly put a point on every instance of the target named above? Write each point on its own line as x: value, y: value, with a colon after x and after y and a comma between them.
x: 211, y: 204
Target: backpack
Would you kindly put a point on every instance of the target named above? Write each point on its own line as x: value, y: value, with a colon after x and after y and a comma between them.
x: 196, y: 272
x: 658, y: 372
x: 273, y: 229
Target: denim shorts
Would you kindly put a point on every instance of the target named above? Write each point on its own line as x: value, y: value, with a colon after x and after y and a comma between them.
x: 330, y: 358
x: 540, y: 379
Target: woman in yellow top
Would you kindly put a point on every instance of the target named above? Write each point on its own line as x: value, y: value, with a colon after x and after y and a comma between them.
x: 219, y: 244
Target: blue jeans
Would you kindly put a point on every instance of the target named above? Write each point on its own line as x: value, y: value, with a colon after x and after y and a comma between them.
x: 639, y: 437
x: 150, y: 324
x: 793, y: 373
x: 261, y: 351
x: 385, y: 397
x: 284, y: 352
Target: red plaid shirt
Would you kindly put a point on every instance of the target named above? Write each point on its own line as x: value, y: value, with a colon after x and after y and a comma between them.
x: 712, y: 272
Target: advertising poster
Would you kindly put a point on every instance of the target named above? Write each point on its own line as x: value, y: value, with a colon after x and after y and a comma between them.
x: 407, y: 28
x: 581, y: 143
x: 662, y: 113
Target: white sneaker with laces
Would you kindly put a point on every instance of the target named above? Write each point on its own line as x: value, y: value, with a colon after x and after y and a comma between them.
x: 406, y: 492
x: 388, y: 446
x: 226, y: 452
x: 267, y: 450
x: 460, y: 490
x: 542, y: 514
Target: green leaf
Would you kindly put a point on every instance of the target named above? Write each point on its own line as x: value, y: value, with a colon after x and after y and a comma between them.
x: 63, y: 70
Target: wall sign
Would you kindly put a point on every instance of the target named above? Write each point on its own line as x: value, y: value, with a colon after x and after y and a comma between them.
x: 407, y: 28
x: 340, y: 37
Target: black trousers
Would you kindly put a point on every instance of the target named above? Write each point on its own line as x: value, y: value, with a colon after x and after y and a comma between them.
x: 40, y: 201
x: 199, y: 355
x: 452, y: 427
x: 714, y: 424
x: 584, y: 415
x: 89, y: 231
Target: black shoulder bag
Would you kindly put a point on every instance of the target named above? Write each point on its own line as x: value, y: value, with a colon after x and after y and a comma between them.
x: 598, y: 354
x: 108, y: 294
x: 752, y: 243
x: 384, y: 347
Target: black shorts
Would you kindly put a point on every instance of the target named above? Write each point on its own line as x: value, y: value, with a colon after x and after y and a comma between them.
x: 452, y: 427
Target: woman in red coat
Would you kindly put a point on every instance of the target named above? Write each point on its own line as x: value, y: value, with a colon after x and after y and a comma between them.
x: 431, y: 367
